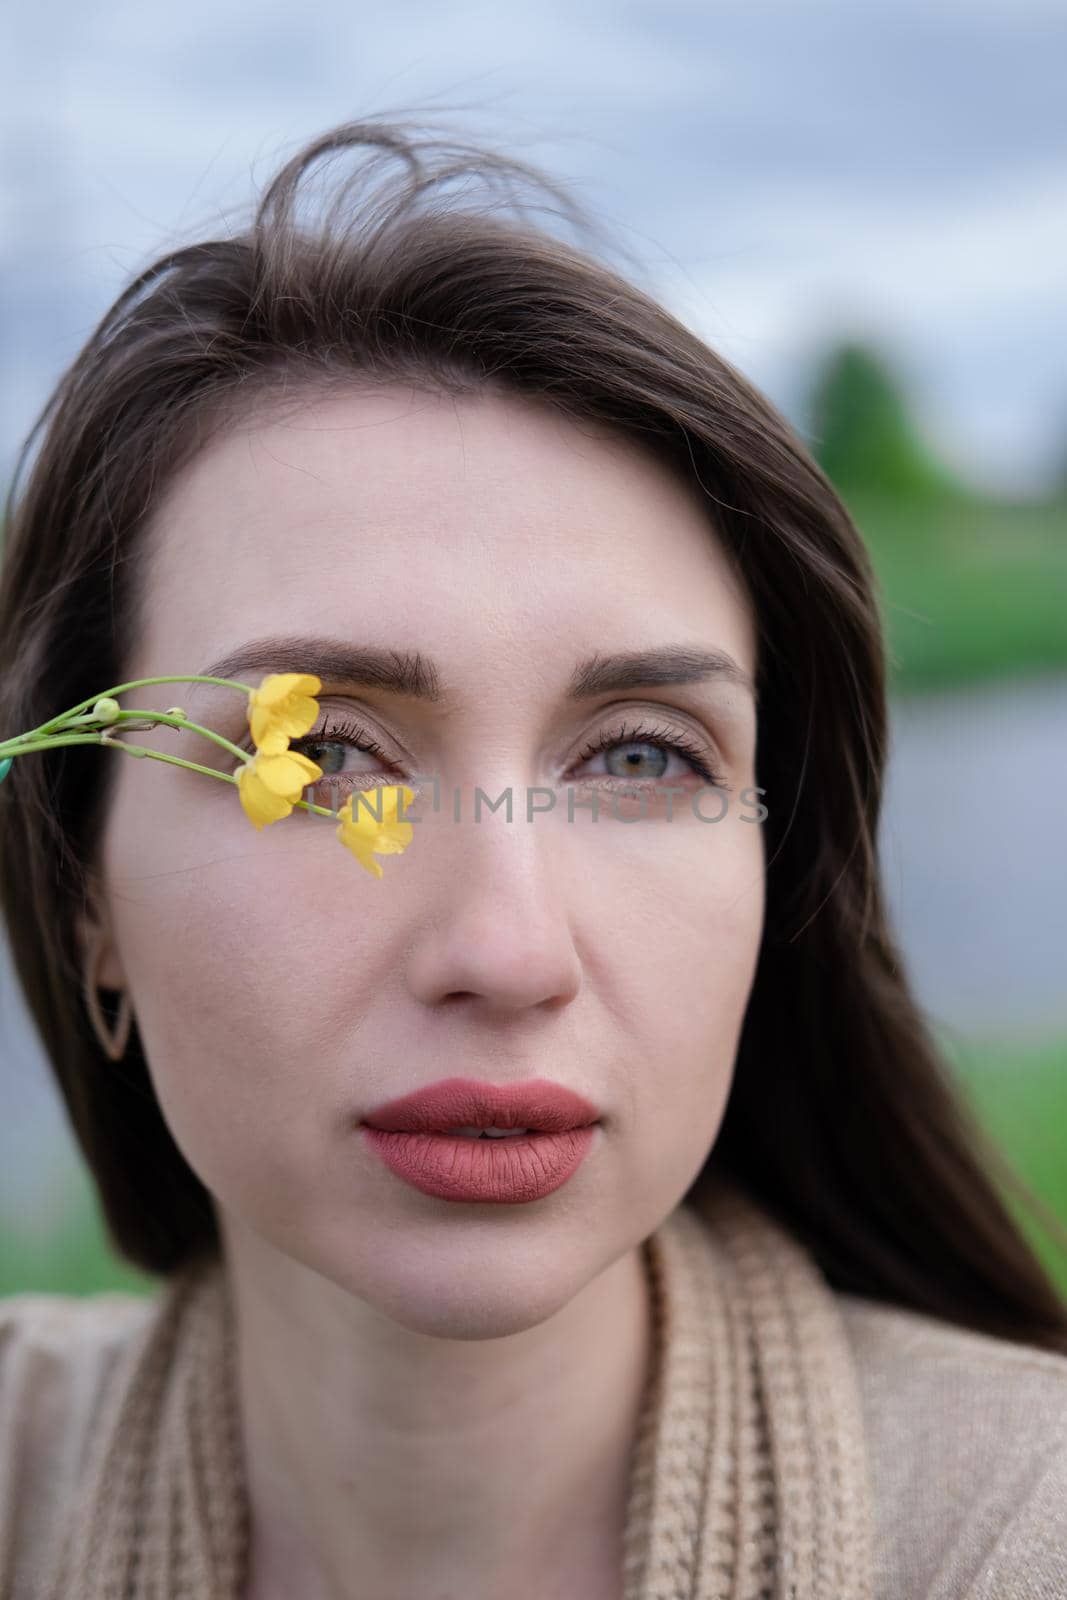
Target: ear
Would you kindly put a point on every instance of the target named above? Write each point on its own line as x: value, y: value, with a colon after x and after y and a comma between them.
x: 90, y: 929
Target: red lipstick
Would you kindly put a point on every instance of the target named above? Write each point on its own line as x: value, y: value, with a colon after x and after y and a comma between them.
x: 416, y: 1138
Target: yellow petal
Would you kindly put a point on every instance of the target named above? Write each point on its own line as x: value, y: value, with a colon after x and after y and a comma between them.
x: 278, y: 686
x: 365, y: 836
x: 260, y: 805
x: 271, y: 741
x: 286, y: 773
x: 270, y: 785
x: 283, y: 708
x: 362, y: 847
x: 362, y: 818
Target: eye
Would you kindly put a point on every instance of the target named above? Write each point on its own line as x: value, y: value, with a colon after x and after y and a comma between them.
x: 638, y: 741
x: 328, y: 746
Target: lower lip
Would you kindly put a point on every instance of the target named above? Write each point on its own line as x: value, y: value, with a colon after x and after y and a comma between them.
x: 504, y: 1171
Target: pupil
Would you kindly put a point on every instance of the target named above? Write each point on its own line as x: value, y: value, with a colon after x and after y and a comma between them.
x: 634, y: 758
x: 334, y: 759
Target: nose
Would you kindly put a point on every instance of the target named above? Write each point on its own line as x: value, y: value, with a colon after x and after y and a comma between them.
x: 499, y: 934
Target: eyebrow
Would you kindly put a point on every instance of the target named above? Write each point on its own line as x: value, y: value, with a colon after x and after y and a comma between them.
x: 413, y: 674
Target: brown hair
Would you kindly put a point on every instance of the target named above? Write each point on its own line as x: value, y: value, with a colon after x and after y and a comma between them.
x: 843, y: 1120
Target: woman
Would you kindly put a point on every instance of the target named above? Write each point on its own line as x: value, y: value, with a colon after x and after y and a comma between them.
x: 766, y: 1326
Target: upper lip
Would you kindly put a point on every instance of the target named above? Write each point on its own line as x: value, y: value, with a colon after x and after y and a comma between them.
x: 536, y: 1103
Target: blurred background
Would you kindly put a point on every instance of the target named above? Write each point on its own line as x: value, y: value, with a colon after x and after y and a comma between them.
x: 864, y: 208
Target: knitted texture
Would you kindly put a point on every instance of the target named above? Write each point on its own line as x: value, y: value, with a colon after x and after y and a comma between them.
x: 748, y: 1478
x: 162, y: 1513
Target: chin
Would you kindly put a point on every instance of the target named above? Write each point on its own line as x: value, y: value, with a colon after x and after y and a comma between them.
x: 467, y: 1317
x: 462, y: 1296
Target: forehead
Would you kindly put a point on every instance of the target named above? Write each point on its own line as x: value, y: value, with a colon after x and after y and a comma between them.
x: 397, y: 515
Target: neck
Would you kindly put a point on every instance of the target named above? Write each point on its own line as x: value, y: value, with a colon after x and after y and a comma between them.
x: 382, y: 1460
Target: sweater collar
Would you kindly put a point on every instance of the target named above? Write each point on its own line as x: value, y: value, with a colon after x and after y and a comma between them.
x: 748, y: 1476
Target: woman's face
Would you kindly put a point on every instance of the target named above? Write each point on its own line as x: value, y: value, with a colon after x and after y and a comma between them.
x: 282, y: 992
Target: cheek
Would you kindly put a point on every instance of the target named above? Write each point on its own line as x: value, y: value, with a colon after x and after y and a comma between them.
x: 683, y: 988
x: 243, y: 999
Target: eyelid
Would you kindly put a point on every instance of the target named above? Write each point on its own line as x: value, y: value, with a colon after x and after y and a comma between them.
x: 701, y: 761
x: 688, y: 723
x: 704, y: 761
x: 688, y: 726
x: 352, y: 717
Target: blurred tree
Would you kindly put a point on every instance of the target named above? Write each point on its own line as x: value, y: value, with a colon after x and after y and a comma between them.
x: 861, y: 432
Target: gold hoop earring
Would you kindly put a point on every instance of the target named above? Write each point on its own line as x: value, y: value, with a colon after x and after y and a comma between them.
x: 112, y: 1042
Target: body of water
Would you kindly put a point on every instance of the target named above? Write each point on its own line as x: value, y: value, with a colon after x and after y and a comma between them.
x: 974, y: 852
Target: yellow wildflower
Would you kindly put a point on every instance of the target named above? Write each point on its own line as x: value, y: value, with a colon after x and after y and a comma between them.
x: 282, y: 708
x: 365, y: 836
x: 272, y: 782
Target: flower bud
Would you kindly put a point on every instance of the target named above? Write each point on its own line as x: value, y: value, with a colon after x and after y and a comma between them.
x: 106, y: 709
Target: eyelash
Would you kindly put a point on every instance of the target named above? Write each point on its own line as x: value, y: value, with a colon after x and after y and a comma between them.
x: 662, y: 738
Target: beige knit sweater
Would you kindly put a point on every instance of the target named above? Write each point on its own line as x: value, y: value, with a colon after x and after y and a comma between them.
x: 795, y: 1443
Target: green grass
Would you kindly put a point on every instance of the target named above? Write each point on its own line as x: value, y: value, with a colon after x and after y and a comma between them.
x: 1020, y: 1095
x: 1019, y: 1092
x: 73, y: 1257
x: 972, y: 589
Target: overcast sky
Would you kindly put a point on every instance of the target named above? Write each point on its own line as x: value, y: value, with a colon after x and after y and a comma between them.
x: 781, y: 171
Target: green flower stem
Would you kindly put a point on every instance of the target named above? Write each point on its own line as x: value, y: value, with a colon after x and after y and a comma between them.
x: 14, y: 749
x: 194, y: 766
x: 135, y: 683
x: 39, y: 741
x: 137, y: 718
